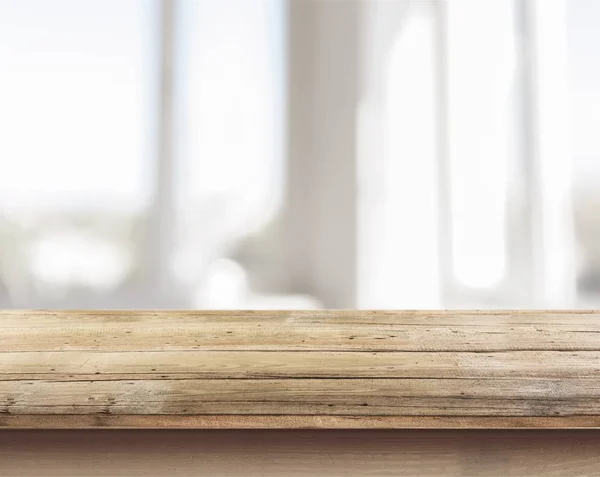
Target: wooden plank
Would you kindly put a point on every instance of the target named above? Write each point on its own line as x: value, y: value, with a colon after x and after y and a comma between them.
x: 371, y: 317
x: 405, y: 397
x: 100, y: 366
x: 264, y: 336
x: 299, y: 369
x: 261, y: 421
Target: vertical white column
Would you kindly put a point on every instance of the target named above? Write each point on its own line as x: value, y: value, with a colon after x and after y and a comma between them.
x: 319, y: 215
x: 480, y: 60
x: 399, y: 264
x: 553, y: 237
x: 161, y: 222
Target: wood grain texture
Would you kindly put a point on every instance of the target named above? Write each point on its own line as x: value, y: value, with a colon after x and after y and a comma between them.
x: 300, y: 369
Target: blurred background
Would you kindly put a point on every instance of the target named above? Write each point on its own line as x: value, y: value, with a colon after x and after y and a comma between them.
x: 299, y: 154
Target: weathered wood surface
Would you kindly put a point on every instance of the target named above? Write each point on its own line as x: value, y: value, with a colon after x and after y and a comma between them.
x: 349, y: 369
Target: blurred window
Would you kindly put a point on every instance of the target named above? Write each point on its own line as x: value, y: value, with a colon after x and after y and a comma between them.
x: 140, y: 140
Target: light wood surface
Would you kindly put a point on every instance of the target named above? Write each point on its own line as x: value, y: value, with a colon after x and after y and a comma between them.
x: 334, y: 369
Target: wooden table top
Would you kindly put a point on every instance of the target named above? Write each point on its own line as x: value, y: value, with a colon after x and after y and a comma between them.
x: 299, y: 369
